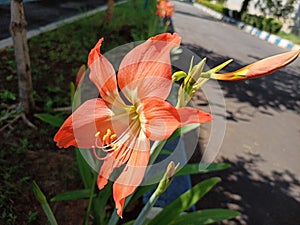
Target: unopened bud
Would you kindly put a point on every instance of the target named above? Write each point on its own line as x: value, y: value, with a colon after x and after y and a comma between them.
x: 167, y: 178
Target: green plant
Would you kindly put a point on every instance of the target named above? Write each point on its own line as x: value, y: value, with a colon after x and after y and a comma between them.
x: 289, y: 36
x: 272, y: 25
x: 214, y: 6
x: 32, y: 216
x: 7, y: 95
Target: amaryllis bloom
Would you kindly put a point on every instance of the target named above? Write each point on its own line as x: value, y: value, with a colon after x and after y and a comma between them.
x: 119, y: 125
x: 260, y: 68
x: 164, y: 9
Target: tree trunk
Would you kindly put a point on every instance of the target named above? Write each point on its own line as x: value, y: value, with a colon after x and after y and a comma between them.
x: 18, y: 29
x: 245, y: 5
x: 109, y: 11
x: 296, y: 27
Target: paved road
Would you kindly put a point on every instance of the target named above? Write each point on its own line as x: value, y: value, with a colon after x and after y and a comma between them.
x: 263, y: 117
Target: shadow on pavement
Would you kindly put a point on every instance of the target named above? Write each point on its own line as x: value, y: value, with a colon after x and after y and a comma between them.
x: 261, y: 199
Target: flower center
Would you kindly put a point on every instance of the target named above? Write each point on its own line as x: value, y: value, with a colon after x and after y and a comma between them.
x: 108, y: 143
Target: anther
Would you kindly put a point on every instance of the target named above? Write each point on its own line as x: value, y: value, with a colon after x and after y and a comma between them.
x: 113, y: 137
x: 97, y: 134
x: 104, y: 138
x: 114, y: 147
x: 108, y: 132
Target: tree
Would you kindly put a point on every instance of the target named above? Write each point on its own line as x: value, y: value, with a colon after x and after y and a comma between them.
x: 18, y: 29
x: 276, y: 8
x: 245, y: 5
x: 109, y: 11
x: 296, y: 27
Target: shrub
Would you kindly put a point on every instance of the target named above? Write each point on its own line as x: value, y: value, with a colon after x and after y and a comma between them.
x: 236, y: 15
x: 276, y: 26
x: 272, y: 25
x: 253, y: 20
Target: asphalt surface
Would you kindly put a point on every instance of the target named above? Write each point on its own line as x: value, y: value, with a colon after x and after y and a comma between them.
x: 261, y: 139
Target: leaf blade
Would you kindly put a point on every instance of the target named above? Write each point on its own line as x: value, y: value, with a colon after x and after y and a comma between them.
x: 207, y: 216
x: 185, y: 201
x: 53, y: 120
x: 72, y: 195
x: 44, y: 203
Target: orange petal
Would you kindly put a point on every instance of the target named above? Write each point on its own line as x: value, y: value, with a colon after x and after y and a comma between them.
x: 80, y: 128
x: 109, y: 164
x: 260, y: 68
x: 190, y: 115
x: 133, y: 173
x: 114, y: 160
x: 159, y: 119
x: 102, y: 74
x: 145, y: 63
x: 138, y: 90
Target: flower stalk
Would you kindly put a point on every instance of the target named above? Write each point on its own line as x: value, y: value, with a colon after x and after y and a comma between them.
x: 161, y: 188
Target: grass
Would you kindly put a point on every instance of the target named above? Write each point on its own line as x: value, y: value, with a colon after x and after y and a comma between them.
x: 28, y: 154
x: 289, y: 36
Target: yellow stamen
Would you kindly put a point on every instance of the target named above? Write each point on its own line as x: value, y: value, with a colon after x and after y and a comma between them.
x: 113, y: 137
x: 114, y: 147
x: 108, y: 132
x: 104, y: 138
x: 97, y: 134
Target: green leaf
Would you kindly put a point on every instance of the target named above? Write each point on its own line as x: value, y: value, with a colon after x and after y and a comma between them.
x: 183, y: 130
x: 129, y: 222
x: 165, y: 152
x: 84, y: 170
x: 53, y: 120
x: 201, y: 168
x: 39, y: 195
x: 185, y: 201
x: 190, y: 169
x: 208, y: 216
x: 219, y: 67
x: 72, y: 195
x: 100, y: 203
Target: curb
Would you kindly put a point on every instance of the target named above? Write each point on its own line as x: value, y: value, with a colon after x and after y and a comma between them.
x: 271, y: 38
x: 52, y: 26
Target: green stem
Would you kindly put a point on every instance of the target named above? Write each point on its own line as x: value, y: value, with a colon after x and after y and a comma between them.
x: 86, y: 217
x: 114, y: 218
x: 143, y: 214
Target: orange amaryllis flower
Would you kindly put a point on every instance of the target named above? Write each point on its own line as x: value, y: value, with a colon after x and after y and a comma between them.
x: 120, y: 126
x: 260, y: 68
x: 164, y: 9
